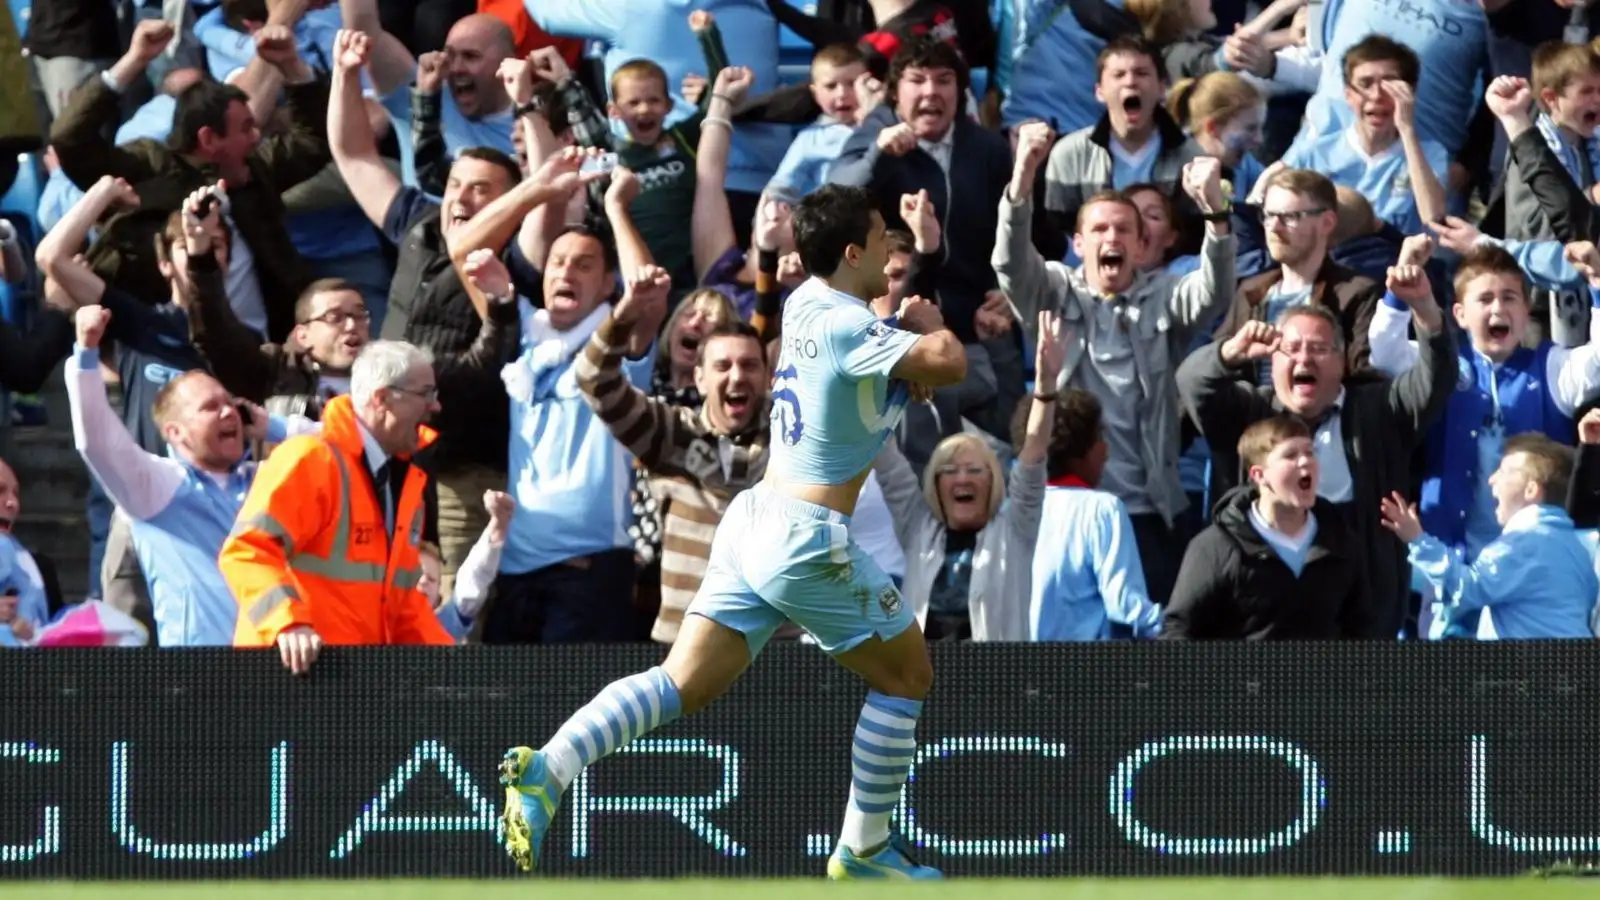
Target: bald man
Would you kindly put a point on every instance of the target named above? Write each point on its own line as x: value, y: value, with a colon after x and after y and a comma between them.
x: 473, y: 109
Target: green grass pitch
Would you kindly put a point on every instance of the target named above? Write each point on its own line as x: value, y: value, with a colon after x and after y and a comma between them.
x: 732, y: 889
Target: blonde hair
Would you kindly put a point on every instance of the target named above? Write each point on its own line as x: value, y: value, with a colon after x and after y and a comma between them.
x: 1216, y: 97
x: 1162, y: 21
x: 941, y: 457
x: 718, y: 308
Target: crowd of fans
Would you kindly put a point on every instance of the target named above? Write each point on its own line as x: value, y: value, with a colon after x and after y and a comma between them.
x: 1324, y: 273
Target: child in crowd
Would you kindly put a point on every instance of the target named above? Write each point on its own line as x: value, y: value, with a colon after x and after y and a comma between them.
x: 1537, y: 576
x: 477, y: 573
x: 1088, y: 583
x: 1277, y: 562
x: 835, y: 69
x: 1382, y: 154
x: 1504, y: 388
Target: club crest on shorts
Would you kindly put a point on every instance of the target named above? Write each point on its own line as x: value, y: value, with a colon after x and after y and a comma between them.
x: 889, y: 600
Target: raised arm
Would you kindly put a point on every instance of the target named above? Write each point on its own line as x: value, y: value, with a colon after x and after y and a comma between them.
x: 1023, y: 274
x: 1208, y: 383
x: 902, y: 492
x: 1418, y: 397
x: 234, y: 353
x: 58, y: 254
x: 1425, y: 185
x: 657, y: 433
x: 1049, y: 357
x: 82, y: 133
x: 350, y: 138
x: 1204, y: 295
x: 430, y: 156
x: 392, y: 65
x: 711, y: 222
x: 484, y: 273
x: 140, y: 483
x: 494, y: 225
x: 1565, y: 204
x: 633, y: 253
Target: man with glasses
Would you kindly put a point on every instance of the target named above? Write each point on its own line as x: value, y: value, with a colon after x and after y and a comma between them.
x: 1383, y: 154
x: 1366, y: 431
x: 1299, y: 212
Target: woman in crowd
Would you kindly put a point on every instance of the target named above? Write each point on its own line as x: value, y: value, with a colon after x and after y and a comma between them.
x: 968, y: 540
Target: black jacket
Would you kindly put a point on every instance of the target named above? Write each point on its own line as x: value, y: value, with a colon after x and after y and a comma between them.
x: 967, y: 200
x: 1234, y: 586
x: 1383, y: 423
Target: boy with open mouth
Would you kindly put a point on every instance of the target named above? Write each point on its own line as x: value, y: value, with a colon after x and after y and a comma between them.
x: 1278, y: 562
x: 1504, y: 389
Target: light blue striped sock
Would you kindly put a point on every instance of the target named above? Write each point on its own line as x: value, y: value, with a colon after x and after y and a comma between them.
x: 880, y: 759
x: 625, y: 710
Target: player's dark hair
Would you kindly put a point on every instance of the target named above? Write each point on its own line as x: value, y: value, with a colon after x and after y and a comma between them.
x: 827, y: 221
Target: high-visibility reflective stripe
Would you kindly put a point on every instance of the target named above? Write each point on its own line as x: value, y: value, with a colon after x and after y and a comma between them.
x: 337, y: 564
x: 267, y: 603
x: 264, y: 522
x: 406, y: 579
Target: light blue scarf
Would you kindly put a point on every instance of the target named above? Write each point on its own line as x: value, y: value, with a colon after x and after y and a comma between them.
x: 1565, y: 152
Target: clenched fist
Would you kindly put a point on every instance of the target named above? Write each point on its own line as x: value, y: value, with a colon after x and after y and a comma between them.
x: 430, y: 72
x: 91, y: 322
x: 897, y: 140
x: 1202, y: 180
x: 1253, y: 343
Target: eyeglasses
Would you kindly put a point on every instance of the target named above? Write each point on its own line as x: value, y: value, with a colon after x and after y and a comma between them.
x: 427, y: 394
x: 1291, y: 218
x: 969, y: 471
x: 1312, y: 348
x: 336, y: 318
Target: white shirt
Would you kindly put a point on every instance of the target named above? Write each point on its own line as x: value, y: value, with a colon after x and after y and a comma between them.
x: 1336, y: 485
x: 244, y: 288
x: 942, y: 149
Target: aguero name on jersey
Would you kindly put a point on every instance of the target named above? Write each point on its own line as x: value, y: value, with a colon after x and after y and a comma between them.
x: 834, y: 401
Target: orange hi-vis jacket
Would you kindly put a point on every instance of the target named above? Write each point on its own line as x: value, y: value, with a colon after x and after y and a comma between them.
x: 310, y: 546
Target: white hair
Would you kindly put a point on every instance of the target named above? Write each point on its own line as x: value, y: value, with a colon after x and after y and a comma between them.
x: 383, y: 364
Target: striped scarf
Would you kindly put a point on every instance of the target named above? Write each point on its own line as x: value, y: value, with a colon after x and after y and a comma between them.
x: 1568, y: 154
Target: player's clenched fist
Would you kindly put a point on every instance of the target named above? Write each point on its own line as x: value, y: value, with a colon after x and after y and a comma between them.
x: 920, y: 316
x: 1254, y: 342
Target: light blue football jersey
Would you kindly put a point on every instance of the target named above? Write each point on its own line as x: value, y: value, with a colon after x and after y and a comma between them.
x: 833, y: 400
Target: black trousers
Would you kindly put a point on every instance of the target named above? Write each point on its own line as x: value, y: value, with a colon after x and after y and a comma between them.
x: 568, y: 604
